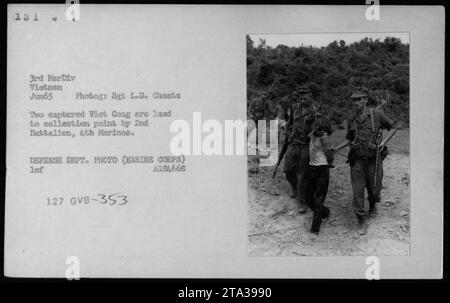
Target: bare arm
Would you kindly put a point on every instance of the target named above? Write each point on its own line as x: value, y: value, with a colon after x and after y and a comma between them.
x: 349, y: 137
x: 326, y: 143
x: 346, y: 142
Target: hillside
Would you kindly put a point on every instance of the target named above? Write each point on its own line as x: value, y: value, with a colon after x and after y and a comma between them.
x: 332, y: 72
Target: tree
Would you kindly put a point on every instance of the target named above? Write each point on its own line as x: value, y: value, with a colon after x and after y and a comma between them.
x: 332, y: 72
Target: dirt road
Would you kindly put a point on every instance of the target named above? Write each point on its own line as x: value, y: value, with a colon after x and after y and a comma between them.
x: 277, y: 229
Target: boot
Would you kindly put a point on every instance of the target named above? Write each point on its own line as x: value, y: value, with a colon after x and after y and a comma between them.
x: 325, y: 213
x: 302, y: 208
x: 362, y: 227
x: 317, y: 221
x: 293, y: 193
x: 373, y: 210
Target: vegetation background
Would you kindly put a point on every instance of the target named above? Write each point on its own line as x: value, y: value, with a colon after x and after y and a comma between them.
x: 332, y: 72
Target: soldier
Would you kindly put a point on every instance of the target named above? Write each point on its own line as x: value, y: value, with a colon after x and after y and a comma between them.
x: 257, y: 111
x: 367, y: 152
x: 297, y: 155
x: 257, y: 108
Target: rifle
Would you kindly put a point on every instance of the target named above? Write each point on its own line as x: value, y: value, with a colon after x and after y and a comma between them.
x: 281, y: 155
x: 385, y: 99
x: 377, y: 156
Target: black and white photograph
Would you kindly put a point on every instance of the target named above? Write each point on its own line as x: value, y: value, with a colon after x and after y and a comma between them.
x: 340, y: 186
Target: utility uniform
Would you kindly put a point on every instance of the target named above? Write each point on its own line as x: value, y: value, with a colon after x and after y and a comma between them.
x: 297, y: 155
x: 365, y: 134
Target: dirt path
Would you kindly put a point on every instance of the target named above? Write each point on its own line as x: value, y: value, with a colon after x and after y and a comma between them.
x: 277, y: 229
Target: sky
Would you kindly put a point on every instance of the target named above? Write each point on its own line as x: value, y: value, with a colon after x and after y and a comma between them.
x: 323, y: 39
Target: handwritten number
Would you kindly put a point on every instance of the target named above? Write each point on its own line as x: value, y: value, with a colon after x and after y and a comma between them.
x: 113, y: 199
x: 124, y: 199
x: 102, y: 197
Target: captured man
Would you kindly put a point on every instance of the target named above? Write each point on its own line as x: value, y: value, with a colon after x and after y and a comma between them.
x: 317, y: 172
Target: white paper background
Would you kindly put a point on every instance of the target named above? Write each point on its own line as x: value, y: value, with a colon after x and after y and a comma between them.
x: 192, y: 224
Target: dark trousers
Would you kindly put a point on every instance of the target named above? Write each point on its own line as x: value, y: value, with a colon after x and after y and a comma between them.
x: 295, y: 164
x: 362, y: 176
x: 257, y: 129
x: 317, y: 180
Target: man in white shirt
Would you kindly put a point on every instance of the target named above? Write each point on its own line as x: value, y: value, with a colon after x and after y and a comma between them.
x: 317, y: 173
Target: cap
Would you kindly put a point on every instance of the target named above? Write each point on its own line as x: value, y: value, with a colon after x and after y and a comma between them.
x: 359, y: 93
x: 303, y: 90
